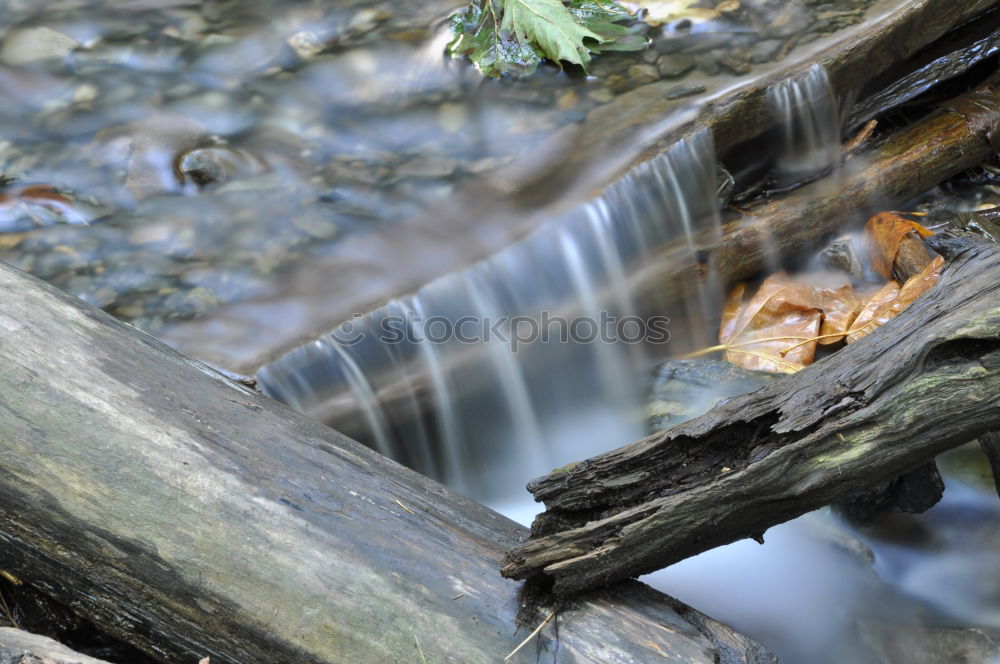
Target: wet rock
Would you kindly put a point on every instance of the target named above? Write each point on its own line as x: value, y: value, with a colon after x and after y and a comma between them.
x: 708, y: 63
x: 906, y: 644
x: 217, y: 164
x: 735, y: 64
x: 685, y: 389
x: 674, y: 66
x: 306, y: 44
x: 766, y: 50
x: 24, y: 45
x: 683, y: 91
x: 642, y: 73
x: 840, y: 255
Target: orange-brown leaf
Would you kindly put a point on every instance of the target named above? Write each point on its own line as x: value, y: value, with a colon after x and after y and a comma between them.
x: 840, y: 308
x: 886, y: 232
x: 780, y: 314
x: 892, y: 299
x: 873, y: 314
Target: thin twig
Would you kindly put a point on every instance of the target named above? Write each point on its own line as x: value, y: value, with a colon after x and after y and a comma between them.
x: 420, y: 650
x: 405, y: 507
x: 530, y: 636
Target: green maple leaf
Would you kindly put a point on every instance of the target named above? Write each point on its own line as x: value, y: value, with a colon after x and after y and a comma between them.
x: 513, y: 36
x: 479, y: 35
x: 603, y: 18
x: 549, y: 24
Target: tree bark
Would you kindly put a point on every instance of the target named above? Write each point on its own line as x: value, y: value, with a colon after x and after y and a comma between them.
x: 20, y: 647
x: 990, y: 442
x: 192, y: 517
x: 921, y: 384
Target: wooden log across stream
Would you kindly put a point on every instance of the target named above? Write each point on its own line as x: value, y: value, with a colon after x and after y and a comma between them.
x: 192, y: 517
x: 925, y: 382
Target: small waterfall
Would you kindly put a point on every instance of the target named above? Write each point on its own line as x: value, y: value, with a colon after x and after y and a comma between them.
x: 488, y: 377
x: 810, y: 122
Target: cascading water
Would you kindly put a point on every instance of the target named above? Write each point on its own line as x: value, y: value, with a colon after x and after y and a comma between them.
x: 488, y: 377
x: 810, y: 124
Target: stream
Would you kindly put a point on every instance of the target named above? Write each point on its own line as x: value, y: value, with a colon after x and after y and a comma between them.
x: 316, y: 196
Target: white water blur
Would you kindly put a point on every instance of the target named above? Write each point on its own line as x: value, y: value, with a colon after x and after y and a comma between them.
x: 496, y: 418
x: 810, y: 123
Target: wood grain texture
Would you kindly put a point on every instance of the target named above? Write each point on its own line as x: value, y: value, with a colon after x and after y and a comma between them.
x: 192, y: 517
x: 990, y: 442
x: 20, y: 647
x: 925, y: 382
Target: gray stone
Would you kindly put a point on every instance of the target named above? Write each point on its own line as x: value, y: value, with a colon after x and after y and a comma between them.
x: 685, y: 389
x: 674, y: 66
x: 840, y: 255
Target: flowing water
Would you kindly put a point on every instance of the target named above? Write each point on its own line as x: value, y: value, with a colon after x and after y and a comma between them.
x: 227, y: 174
x: 482, y: 371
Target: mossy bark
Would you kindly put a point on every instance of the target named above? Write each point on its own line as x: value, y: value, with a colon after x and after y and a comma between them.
x: 192, y: 517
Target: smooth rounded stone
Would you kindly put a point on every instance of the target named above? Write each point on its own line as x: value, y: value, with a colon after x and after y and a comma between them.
x: 707, y: 63
x: 26, y: 45
x: 766, y: 50
x: 685, y: 389
x: 216, y: 164
x: 674, y: 66
x: 306, y: 44
x: 649, y: 56
x: 644, y: 73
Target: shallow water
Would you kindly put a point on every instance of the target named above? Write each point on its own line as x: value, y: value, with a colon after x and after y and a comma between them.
x: 241, y: 162
x: 228, y: 174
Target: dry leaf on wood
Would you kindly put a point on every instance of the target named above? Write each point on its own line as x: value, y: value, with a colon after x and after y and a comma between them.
x: 892, y: 299
x: 757, y: 333
x: 888, y: 233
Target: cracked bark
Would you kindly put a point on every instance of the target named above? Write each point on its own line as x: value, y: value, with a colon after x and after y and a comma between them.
x: 884, y: 406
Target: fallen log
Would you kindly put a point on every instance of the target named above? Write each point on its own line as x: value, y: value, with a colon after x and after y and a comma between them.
x: 20, y: 647
x: 886, y: 405
x: 191, y: 517
x: 900, y: 167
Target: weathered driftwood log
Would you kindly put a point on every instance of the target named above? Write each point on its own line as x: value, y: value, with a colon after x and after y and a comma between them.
x: 990, y: 442
x: 923, y: 383
x: 192, y: 517
x: 20, y: 647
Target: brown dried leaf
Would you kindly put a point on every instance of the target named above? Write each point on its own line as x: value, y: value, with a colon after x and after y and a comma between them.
x: 874, y: 313
x: 891, y: 300
x: 887, y: 231
x: 782, y: 313
x: 840, y: 308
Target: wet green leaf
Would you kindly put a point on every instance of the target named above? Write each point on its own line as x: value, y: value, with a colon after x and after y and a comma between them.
x: 513, y: 36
